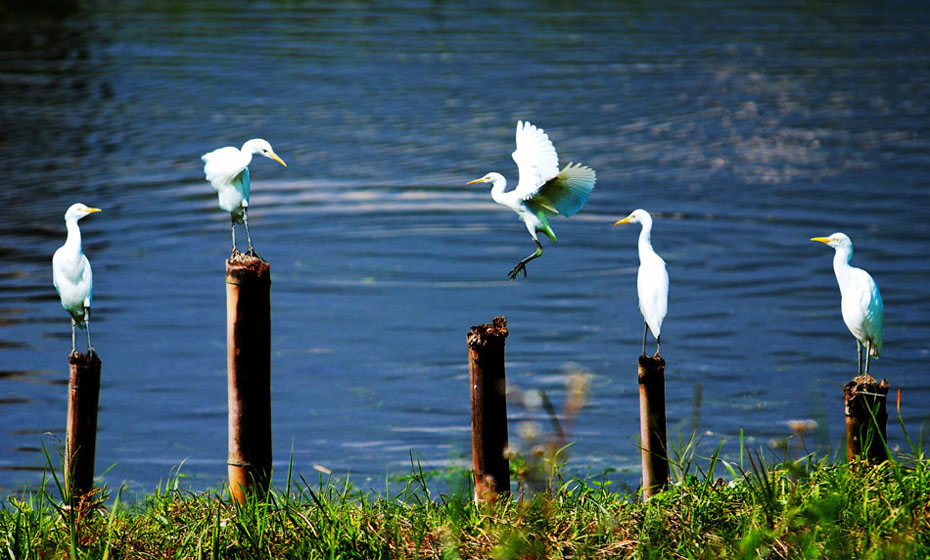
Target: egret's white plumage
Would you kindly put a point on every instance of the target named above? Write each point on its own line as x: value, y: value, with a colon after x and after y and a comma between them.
x: 71, y: 273
x: 861, y: 302
x: 227, y: 169
x: 542, y: 189
x: 652, y: 278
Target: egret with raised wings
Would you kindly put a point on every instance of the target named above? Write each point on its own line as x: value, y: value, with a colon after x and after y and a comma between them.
x: 861, y: 302
x: 542, y: 190
x: 227, y: 169
x: 72, y: 276
x: 651, y: 279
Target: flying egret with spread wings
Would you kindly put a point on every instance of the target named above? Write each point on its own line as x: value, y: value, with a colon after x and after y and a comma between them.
x: 542, y: 190
x: 651, y: 279
x: 227, y: 169
x: 72, y: 276
x: 861, y: 302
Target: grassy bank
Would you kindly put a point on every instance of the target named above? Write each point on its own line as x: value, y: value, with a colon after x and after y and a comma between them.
x: 801, y: 509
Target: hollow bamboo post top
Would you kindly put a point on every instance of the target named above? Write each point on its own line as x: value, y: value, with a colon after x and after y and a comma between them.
x: 494, y: 333
x: 242, y: 267
x: 84, y: 361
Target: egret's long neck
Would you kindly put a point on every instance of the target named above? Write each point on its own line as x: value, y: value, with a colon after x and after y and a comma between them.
x: 497, y: 189
x: 645, y: 240
x: 247, y: 151
x: 74, y: 235
x: 841, y: 266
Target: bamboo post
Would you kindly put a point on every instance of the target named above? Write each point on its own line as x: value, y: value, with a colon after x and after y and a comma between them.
x: 866, y: 410
x: 488, y: 408
x: 83, y: 400
x: 652, y: 429
x: 248, y: 345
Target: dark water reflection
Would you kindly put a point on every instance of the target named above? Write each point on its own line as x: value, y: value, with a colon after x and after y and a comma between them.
x: 747, y: 130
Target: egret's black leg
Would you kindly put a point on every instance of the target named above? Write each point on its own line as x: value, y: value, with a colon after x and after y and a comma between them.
x: 87, y: 325
x: 521, y: 266
x: 858, y: 358
x: 232, y: 219
x: 645, y: 330
x: 245, y: 219
x: 868, y: 352
x: 73, y: 343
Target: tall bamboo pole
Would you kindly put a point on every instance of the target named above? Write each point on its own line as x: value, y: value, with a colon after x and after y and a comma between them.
x: 652, y: 427
x: 865, y: 404
x: 248, y: 344
x: 83, y: 400
x: 488, y: 408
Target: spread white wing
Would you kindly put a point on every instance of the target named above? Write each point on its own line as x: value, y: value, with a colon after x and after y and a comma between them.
x: 535, y: 157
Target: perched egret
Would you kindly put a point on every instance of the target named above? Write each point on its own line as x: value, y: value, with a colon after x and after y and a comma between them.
x: 651, y: 280
x: 227, y: 169
x: 863, y: 310
x: 542, y: 190
x: 72, y: 276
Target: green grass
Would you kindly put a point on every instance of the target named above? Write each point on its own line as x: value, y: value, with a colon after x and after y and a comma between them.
x: 770, y: 509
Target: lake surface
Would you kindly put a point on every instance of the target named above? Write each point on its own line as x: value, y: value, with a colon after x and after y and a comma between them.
x: 745, y: 129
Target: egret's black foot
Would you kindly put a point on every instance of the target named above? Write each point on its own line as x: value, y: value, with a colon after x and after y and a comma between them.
x: 515, y: 271
x: 235, y: 253
x: 254, y: 254
x: 90, y: 351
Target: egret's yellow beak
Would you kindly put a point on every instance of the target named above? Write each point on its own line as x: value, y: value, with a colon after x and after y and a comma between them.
x: 821, y: 239
x: 623, y: 221
x: 92, y: 210
x: 481, y: 180
x: 275, y: 157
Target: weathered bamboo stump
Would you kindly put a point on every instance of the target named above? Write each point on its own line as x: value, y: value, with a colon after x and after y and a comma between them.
x: 866, y: 409
x: 652, y: 428
x: 83, y: 401
x: 248, y: 344
x: 488, y: 385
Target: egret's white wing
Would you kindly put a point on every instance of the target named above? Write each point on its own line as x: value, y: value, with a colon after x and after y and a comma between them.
x: 565, y: 193
x: 873, y: 311
x: 223, y: 165
x: 87, y: 279
x: 243, y: 184
x: 228, y: 172
x: 652, y: 289
x: 535, y: 157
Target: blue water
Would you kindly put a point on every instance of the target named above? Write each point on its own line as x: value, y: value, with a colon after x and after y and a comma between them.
x: 744, y: 129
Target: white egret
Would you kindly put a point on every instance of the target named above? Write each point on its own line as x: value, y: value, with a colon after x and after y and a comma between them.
x: 861, y: 302
x: 542, y: 190
x: 651, y: 280
x: 72, y: 275
x: 227, y: 169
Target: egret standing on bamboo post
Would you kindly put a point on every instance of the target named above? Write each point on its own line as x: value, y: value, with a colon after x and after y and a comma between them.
x: 72, y: 276
x: 542, y: 190
x: 863, y: 310
x: 651, y: 280
x: 227, y: 169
